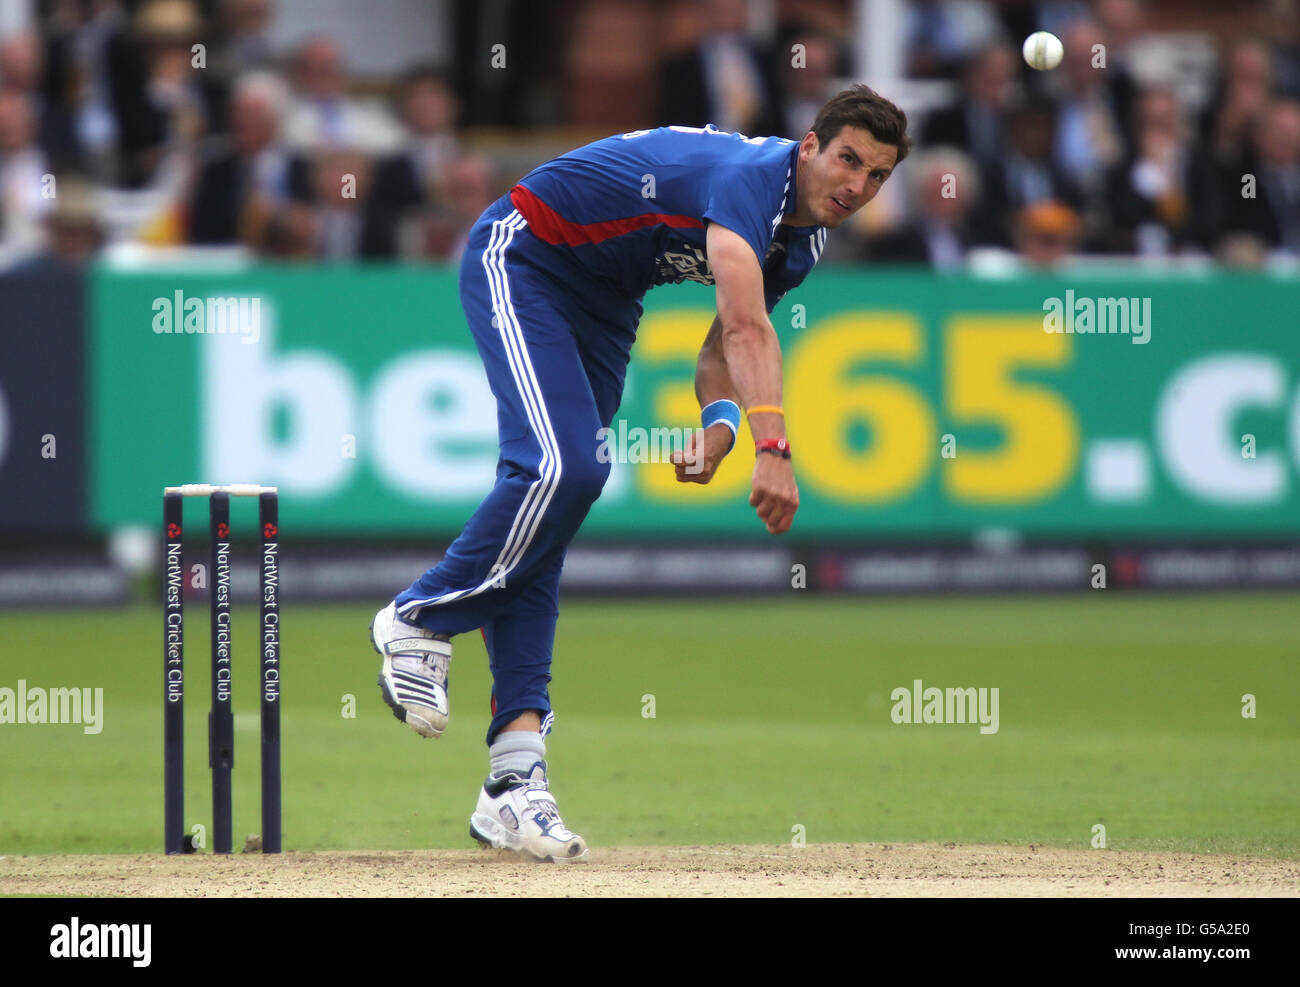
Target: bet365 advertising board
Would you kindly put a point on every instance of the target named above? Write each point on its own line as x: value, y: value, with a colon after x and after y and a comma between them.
x: 918, y: 406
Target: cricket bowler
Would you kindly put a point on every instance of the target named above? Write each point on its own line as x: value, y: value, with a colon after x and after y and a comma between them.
x: 551, y: 282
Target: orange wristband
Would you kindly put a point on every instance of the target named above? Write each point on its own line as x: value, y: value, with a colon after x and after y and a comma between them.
x: 765, y: 409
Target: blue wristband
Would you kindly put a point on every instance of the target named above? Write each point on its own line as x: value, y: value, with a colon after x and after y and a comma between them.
x: 726, y: 412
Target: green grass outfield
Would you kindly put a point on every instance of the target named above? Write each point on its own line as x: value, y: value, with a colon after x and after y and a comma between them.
x: 1123, y: 710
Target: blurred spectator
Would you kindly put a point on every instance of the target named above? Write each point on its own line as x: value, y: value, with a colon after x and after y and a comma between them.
x: 292, y: 233
x: 1245, y: 87
x: 1273, y: 214
x: 73, y: 230
x: 348, y: 227
x: 404, y: 182
x: 245, y: 45
x: 1047, y: 234
x: 245, y: 177
x: 943, y: 34
x: 427, y: 109
x: 387, y: 189
x: 78, y: 80
x: 1122, y: 23
x: 1241, y: 251
x: 1164, y: 196
x: 323, y: 117
x: 809, y: 86
x: 1025, y: 174
x: 20, y: 62
x: 1279, y: 22
x: 23, y: 203
x: 22, y: 68
x: 728, y: 79
x: 976, y: 124
x: 163, y: 105
x: 466, y: 187
x: 946, y: 187
x: 340, y: 208
x: 1088, y: 138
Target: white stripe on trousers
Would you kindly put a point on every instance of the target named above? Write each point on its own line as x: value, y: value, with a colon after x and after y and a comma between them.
x: 540, y: 491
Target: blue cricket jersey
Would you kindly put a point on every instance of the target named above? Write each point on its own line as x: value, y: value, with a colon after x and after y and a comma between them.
x: 632, y: 209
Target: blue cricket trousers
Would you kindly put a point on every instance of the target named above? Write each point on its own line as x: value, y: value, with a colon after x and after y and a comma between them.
x: 555, y: 345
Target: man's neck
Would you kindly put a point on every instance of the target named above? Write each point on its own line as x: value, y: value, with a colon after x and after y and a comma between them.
x: 796, y: 218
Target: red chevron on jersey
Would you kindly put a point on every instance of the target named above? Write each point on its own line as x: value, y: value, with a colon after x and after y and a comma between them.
x: 549, y: 225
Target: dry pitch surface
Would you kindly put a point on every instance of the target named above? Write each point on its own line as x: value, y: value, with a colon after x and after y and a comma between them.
x: 715, y: 871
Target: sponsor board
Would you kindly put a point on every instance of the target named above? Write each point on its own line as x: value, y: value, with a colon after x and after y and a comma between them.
x: 914, y: 412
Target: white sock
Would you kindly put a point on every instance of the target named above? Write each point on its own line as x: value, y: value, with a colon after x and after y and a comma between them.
x: 515, y: 752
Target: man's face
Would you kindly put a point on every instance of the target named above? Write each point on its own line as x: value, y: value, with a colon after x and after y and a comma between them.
x: 991, y: 78
x: 837, y: 181
x: 252, y: 124
x: 429, y: 107
x: 935, y: 186
x: 320, y: 69
x: 1277, y: 136
x: 812, y: 81
x: 1031, y: 134
x: 15, y: 122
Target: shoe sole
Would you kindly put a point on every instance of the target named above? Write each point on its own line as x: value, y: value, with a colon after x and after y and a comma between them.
x: 491, y: 834
x: 390, y: 697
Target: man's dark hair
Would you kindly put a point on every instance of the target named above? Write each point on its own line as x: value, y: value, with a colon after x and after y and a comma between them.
x: 417, y: 74
x: 861, y: 106
x: 424, y: 73
x: 414, y: 76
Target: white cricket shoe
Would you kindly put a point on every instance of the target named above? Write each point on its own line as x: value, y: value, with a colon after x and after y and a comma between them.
x: 519, y: 814
x: 414, y: 676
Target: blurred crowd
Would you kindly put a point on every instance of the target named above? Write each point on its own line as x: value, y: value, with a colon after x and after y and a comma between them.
x: 180, y: 123
x: 1134, y: 146
x: 1130, y: 147
x: 146, y: 138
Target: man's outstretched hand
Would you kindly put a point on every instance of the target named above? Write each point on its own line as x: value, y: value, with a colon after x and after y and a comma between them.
x: 774, y: 496
x: 698, y: 464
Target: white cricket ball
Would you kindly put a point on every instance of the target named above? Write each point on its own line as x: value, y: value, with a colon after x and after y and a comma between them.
x: 1043, y: 50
